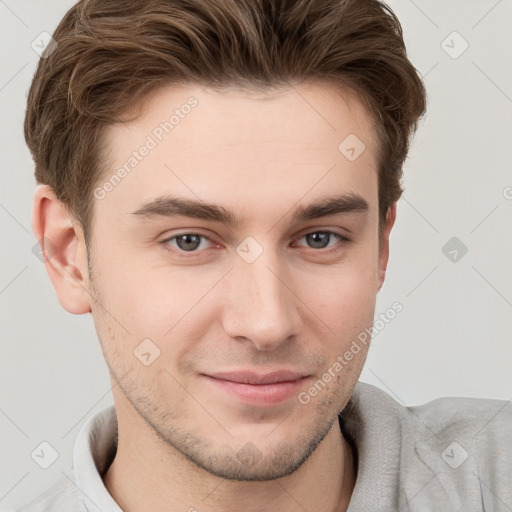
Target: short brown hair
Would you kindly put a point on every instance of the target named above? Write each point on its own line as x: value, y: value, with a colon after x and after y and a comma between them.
x: 111, y: 54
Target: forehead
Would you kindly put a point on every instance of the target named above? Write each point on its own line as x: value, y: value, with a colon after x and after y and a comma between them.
x: 249, y: 148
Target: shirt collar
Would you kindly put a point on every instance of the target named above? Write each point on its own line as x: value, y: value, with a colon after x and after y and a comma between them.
x: 94, y: 451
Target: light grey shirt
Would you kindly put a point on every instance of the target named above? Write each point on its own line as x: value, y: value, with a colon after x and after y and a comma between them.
x: 451, y: 454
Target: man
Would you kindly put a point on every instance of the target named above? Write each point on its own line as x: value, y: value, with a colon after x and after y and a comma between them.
x: 217, y: 186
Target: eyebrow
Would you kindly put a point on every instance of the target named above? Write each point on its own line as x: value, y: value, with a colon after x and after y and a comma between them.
x: 170, y: 206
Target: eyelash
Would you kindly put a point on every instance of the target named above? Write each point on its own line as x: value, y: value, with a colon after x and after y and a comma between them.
x: 343, y: 240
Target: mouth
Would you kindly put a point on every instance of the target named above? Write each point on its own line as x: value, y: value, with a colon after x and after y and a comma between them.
x: 258, y: 389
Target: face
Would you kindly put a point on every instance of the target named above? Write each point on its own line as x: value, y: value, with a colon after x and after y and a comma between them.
x: 197, y: 307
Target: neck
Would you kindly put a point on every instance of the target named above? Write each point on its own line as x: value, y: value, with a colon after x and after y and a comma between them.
x: 148, y: 474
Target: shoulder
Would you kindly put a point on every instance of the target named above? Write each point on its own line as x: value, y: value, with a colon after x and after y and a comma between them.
x: 62, y: 496
x: 456, y: 450
x: 442, y: 417
x: 469, y: 428
x: 467, y: 443
x: 482, y: 422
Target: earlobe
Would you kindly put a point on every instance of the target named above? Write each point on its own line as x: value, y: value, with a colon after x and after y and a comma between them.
x: 384, y: 246
x: 63, y: 250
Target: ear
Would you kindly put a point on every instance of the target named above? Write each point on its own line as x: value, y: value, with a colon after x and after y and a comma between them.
x: 63, y: 250
x: 384, y: 245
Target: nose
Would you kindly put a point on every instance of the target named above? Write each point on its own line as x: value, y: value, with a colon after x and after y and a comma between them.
x: 260, y: 303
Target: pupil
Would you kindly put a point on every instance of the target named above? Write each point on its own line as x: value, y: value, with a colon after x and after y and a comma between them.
x: 189, y: 239
x: 318, y: 239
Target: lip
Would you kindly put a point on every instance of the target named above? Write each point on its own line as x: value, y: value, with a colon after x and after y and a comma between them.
x: 250, y: 377
x: 258, y: 389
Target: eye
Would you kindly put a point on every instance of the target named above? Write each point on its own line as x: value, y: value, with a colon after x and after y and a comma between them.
x: 187, y: 242
x: 193, y: 242
x: 321, y: 239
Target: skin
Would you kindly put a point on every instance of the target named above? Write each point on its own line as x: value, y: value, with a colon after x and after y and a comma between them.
x: 296, y: 306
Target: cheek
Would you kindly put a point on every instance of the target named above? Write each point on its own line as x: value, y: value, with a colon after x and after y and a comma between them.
x: 344, y: 301
x: 348, y: 309
x: 161, y: 303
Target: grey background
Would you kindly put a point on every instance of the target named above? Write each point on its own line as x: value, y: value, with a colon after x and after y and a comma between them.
x: 453, y: 337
